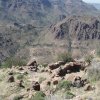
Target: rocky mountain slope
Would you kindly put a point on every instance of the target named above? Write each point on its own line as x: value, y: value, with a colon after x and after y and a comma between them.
x: 41, y: 11
x: 27, y: 23
x: 73, y: 80
x: 96, y: 5
x: 79, y: 34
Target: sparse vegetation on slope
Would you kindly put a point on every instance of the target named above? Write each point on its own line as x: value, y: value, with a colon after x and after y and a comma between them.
x: 13, y: 62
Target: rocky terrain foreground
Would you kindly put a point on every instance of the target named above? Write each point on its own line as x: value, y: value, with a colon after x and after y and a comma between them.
x: 74, y: 80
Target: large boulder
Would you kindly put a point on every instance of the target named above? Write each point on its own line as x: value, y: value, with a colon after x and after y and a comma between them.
x: 79, y: 82
x: 32, y: 65
x: 56, y: 65
x: 69, y: 68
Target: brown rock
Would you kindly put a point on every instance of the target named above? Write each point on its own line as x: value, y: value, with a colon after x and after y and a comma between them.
x: 48, y: 83
x: 79, y: 82
x: 11, y: 79
x: 36, y: 86
x: 20, y: 83
x: 32, y: 63
x: 33, y: 68
x: 56, y: 65
x: 42, y: 70
x: 53, y: 66
x: 20, y: 68
x: 69, y: 68
x: 88, y: 87
x: 10, y: 73
x: 55, y: 82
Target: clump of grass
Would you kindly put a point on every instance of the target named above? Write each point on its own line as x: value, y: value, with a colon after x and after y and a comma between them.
x: 94, y: 74
x: 20, y: 77
x: 66, y: 57
x: 64, y: 85
x: 45, y: 65
x: 9, y: 62
x: 39, y: 96
x: 98, y: 52
x: 18, y: 97
x: 89, y: 59
x: 69, y: 95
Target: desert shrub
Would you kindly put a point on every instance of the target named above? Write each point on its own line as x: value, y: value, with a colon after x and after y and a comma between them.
x: 20, y: 77
x: 98, y: 52
x: 94, y: 72
x: 89, y: 59
x: 8, y: 63
x: 41, y: 79
x: 69, y: 95
x: 45, y: 65
x: 39, y: 96
x: 64, y: 85
x: 18, y: 97
x: 66, y: 57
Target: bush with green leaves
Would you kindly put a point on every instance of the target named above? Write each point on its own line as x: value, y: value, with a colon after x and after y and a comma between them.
x: 20, y: 77
x: 98, y: 52
x: 8, y: 63
x: 39, y: 96
x: 89, y: 59
x: 66, y: 57
x: 18, y: 97
x: 69, y: 95
x: 66, y: 85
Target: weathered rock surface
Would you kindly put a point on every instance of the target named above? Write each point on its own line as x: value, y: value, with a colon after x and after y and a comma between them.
x: 11, y: 79
x: 56, y: 65
x: 36, y: 86
x: 88, y: 87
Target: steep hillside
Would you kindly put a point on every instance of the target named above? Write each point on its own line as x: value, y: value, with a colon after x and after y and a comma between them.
x: 27, y: 22
x: 96, y: 5
x: 41, y: 11
x: 79, y: 34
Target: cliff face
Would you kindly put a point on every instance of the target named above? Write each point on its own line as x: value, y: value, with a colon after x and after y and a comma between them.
x: 83, y: 28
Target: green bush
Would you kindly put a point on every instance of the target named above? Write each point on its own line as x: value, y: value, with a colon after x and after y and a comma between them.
x: 20, y: 77
x: 89, y: 59
x: 69, y: 95
x: 13, y: 62
x: 98, y: 53
x: 64, y: 85
x: 39, y: 96
x: 66, y: 57
x: 18, y: 97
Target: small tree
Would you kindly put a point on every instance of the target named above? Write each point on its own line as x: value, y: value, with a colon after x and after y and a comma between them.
x: 66, y: 57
